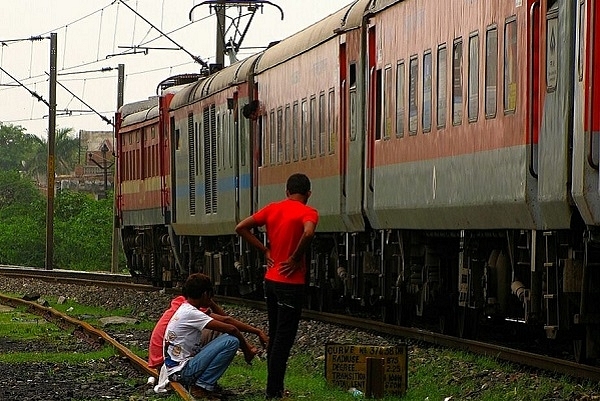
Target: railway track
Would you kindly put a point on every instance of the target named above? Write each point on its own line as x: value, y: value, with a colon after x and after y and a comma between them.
x: 500, y: 352
x: 90, y: 335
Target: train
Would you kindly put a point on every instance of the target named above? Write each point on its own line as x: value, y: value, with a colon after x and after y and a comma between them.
x: 453, y: 150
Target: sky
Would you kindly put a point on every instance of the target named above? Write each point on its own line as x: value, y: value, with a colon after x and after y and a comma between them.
x: 92, y: 36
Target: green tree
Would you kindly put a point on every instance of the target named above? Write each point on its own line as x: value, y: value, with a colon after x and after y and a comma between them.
x: 66, y: 154
x: 83, y: 231
x: 82, y: 226
x: 17, y: 192
x: 16, y: 147
x: 22, y: 221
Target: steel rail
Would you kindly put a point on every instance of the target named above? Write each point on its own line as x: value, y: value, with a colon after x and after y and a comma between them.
x: 500, y: 352
x: 89, y: 334
x: 524, y: 358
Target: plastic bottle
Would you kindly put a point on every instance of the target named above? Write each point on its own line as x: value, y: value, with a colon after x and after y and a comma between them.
x: 355, y: 392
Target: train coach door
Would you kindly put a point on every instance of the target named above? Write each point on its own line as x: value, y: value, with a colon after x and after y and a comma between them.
x: 343, y: 121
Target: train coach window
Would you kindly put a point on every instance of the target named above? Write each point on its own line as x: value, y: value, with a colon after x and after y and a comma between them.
x: 473, y: 99
x: 412, y: 95
x: 304, y: 130
x: 510, y: 66
x: 313, y: 126
x: 457, y: 83
x: 288, y: 133
x: 322, y: 127
x: 331, y: 131
x: 427, y: 82
x: 388, y: 104
x: 491, y: 72
x: 296, y: 132
x: 272, y: 139
x: 442, y: 85
x: 400, y: 99
x: 279, y: 135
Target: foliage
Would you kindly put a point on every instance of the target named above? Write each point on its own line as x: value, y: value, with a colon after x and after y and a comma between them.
x: 16, y: 147
x: 82, y: 226
x: 16, y: 193
x: 66, y: 155
x: 83, y: 231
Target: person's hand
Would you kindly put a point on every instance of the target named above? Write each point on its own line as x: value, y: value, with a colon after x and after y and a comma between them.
x: 264, y: 339
x: 270, y: 261
x: 249, y: 353
x: 289, y: 266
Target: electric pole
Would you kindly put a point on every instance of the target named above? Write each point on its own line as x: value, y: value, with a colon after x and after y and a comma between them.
x: 220, y: 36
x: 51, y: 162
x: 114, y: 267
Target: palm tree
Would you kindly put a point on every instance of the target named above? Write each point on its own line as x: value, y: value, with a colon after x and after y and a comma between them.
x: 66, y: 155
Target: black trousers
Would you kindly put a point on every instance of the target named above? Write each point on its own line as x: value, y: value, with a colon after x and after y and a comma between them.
x: 284, y: 307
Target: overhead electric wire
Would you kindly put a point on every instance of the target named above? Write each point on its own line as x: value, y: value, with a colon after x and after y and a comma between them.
x: 4, y: 42
x: 78, y: 19
x: 84, y: 103
x: 34, y: 94
x: 195, y: 58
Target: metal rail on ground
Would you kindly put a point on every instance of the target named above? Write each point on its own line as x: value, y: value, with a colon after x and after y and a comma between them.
x: 524, y: 358
x: 89, y: 334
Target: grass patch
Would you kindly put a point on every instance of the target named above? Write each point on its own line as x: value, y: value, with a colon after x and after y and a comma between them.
x: 305, y: 379
x: 57, y: 357
x: 20, y: 325
x: 441, y: 374
x: 20, y: 329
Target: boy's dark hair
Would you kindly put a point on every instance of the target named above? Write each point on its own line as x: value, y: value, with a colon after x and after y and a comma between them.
x: 196, y: 285
x: 298, y: 184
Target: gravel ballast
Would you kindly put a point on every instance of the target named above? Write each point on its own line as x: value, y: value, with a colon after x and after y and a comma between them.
x: 115, y: 379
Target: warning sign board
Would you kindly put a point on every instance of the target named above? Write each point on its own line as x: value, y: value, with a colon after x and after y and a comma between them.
x: 346, y: 366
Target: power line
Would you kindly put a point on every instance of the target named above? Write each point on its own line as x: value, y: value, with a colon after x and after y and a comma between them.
x: 195, y: 58
x: 87, y: 105
x: 34, y: 94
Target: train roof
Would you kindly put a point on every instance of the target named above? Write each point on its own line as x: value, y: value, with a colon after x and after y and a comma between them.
x: 228, y: 76
x: 135, y: 107
x: 347, y: 18
x: 378, y: 5
x: 150, y: 112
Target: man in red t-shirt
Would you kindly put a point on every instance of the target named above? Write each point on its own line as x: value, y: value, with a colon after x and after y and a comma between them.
x: 290, y: 226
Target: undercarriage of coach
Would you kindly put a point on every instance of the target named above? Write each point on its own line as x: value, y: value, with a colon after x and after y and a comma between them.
x: 528, y: 284
x: 148, y: 253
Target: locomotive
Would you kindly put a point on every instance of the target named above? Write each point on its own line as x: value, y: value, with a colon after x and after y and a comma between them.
x: 452, y: 148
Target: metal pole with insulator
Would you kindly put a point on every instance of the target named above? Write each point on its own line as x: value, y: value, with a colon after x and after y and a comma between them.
x: 51, y: 162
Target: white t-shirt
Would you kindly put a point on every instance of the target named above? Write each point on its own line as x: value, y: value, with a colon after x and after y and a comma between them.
x: 182, y: 337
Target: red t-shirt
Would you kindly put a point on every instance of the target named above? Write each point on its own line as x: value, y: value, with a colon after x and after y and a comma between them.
x: 284, y: 222
x: 155, y: 350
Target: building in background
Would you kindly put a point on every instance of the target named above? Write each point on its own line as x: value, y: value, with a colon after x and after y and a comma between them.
x: 95, y: 171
